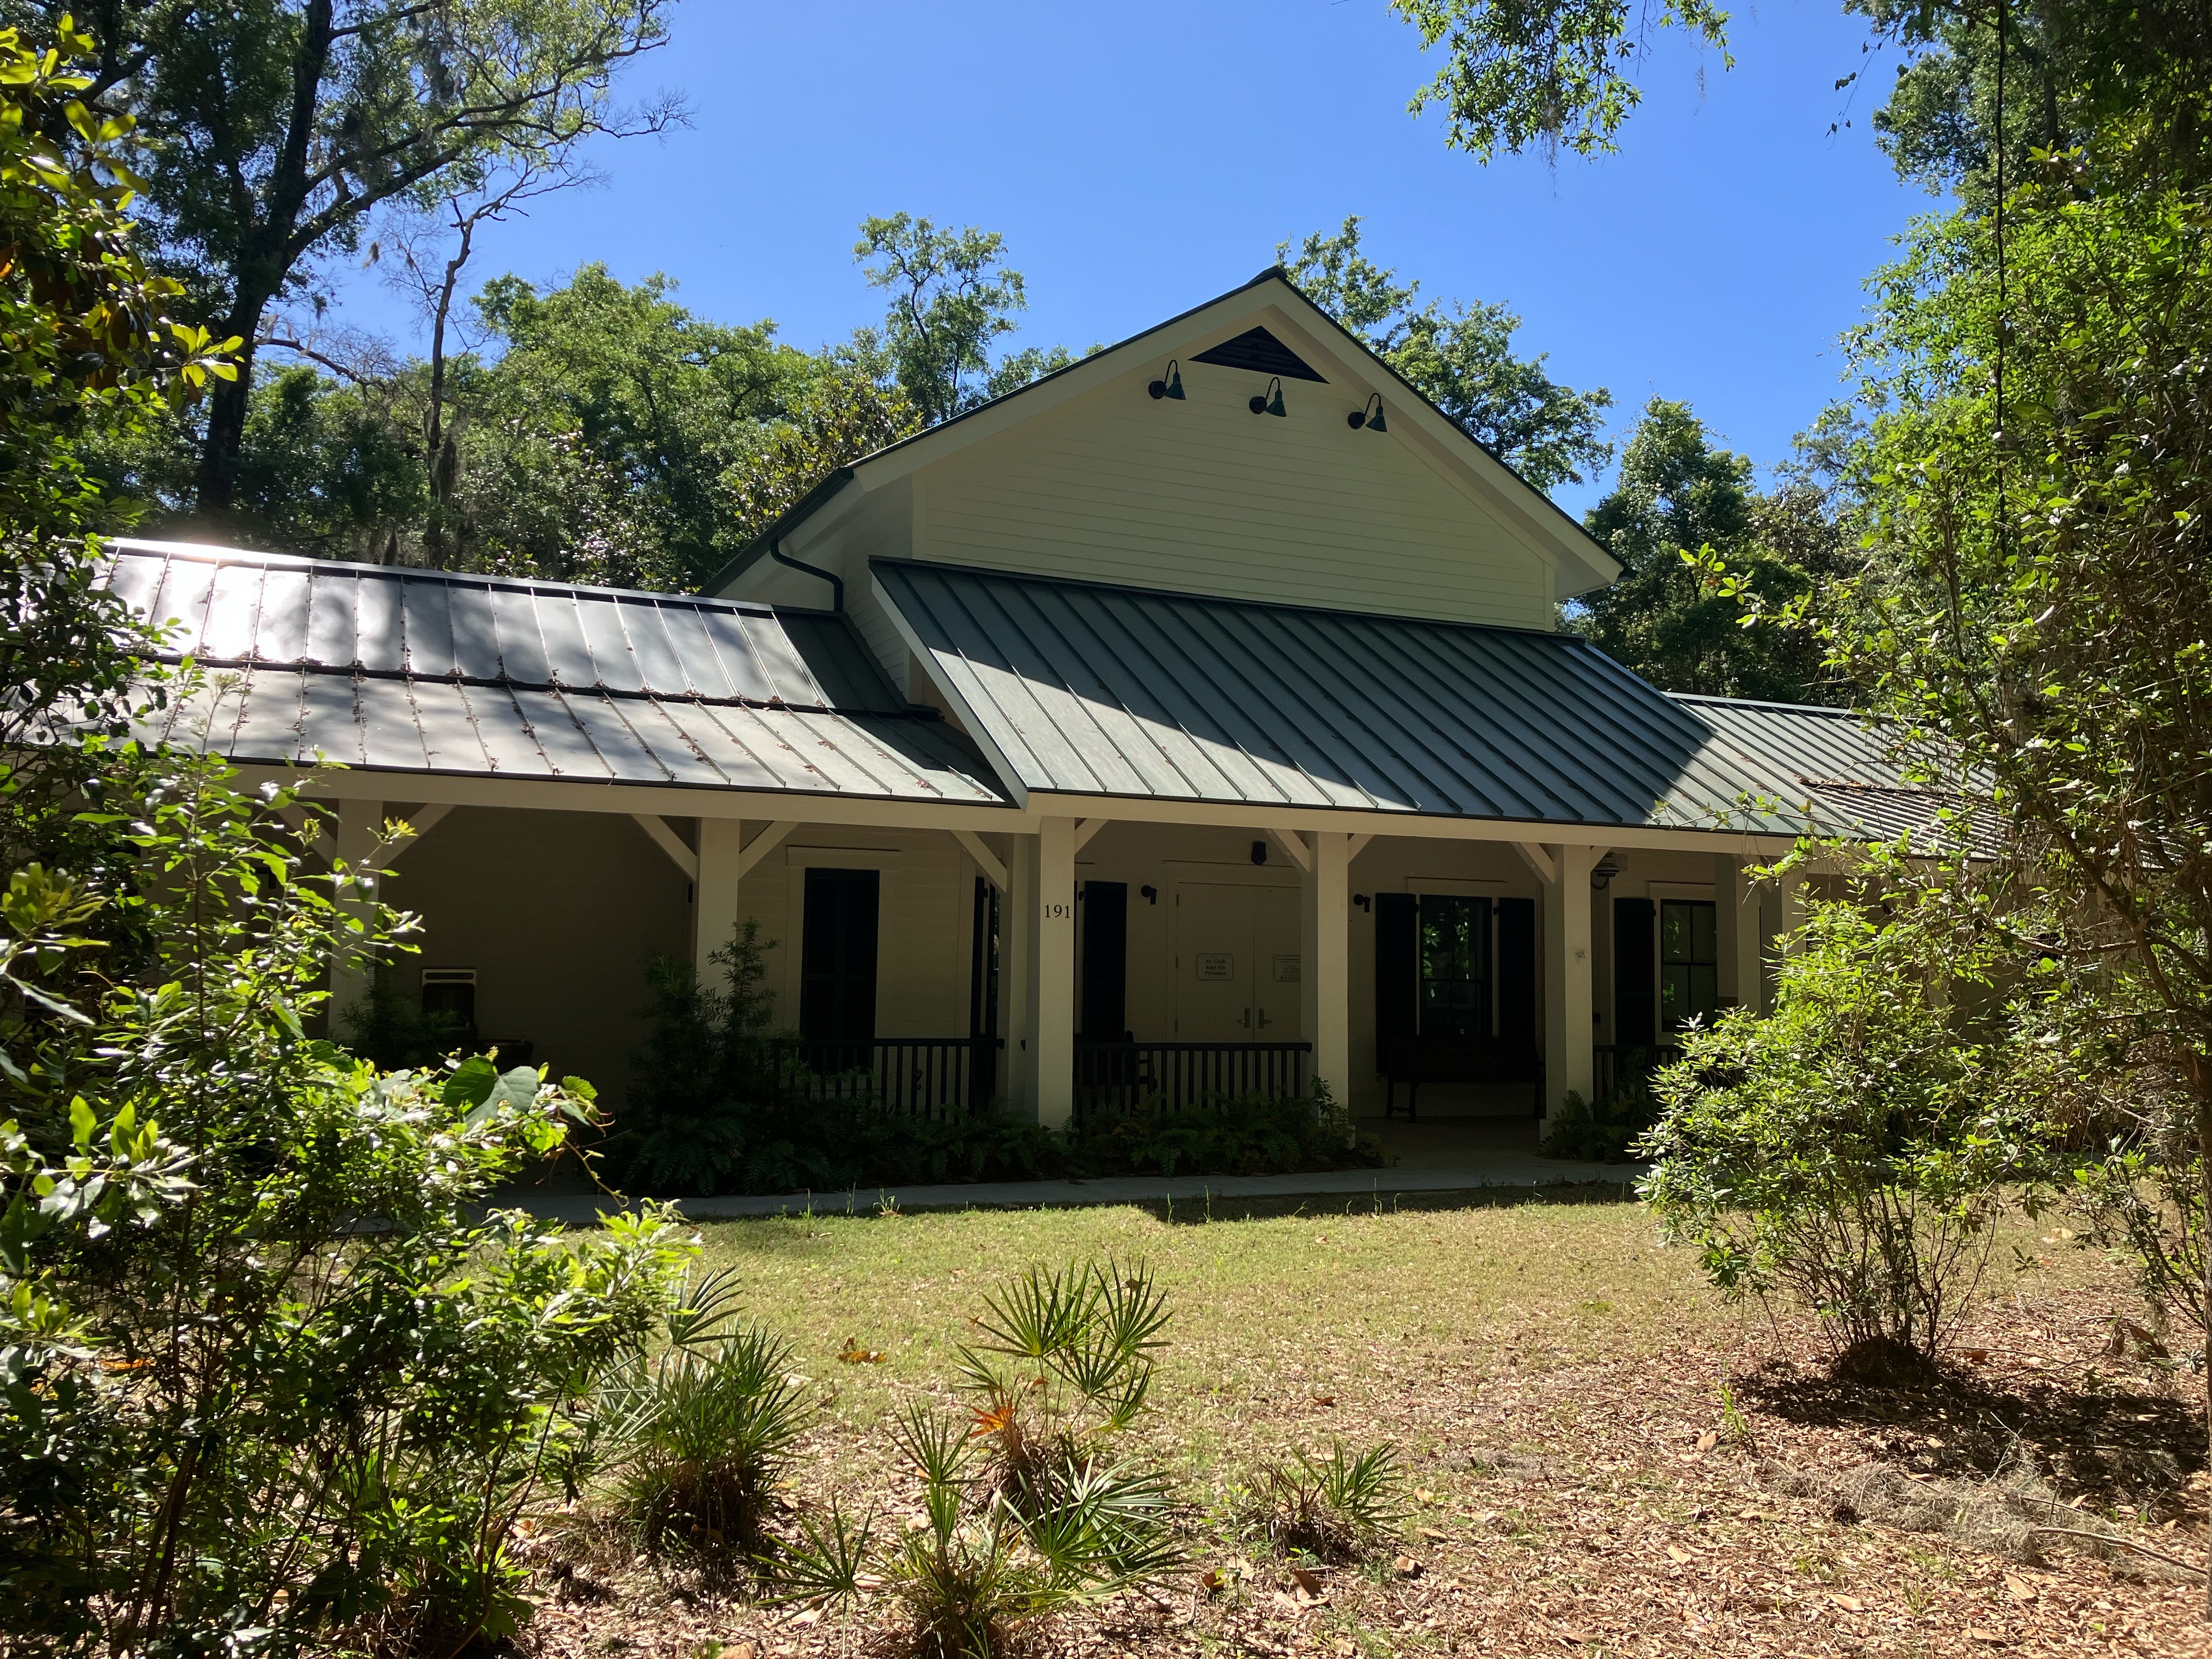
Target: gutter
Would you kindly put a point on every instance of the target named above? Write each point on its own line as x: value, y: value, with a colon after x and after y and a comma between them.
x: 788, y: 520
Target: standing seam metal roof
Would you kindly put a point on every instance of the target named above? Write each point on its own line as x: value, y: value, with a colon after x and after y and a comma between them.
x: 1087, y: 687
x: 426, y: 672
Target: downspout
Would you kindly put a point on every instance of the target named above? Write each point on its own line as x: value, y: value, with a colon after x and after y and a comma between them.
x: 836, y: 582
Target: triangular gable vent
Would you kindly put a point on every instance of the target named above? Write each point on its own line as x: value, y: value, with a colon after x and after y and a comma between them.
x: 1262, y: 353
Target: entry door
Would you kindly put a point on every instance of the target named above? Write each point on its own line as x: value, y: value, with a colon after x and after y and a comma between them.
x: 1237, y: 963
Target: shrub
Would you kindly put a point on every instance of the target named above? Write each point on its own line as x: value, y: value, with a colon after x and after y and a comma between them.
x: 1025, y: 1513
x: 699, y: 1438
x: 1333, y: 1511
x: 389, y: 1029
x: 1849, y: 1149
x: 1606, y: 1130
x: 1248, y: 1135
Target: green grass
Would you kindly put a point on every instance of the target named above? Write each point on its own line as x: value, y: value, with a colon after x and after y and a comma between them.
x: 1379, y: 1315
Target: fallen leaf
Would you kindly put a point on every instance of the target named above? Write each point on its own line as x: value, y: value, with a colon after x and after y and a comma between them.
x: 1849, y: 1603
x: 1324, y: 1400
x: 1749, y: 1515
x: 1678, y: 1555
x: 1209, y: 1580
x: 1405, y: 1567
x: 1708, y: 1440
x: 1306, y: 1584
x: 854, y: 1354
x: 743, y: 1650
x: 1423, y: 1495
x: 1976, y: 1633
x: 2018, y: 1587
x: 1433, y: 1535
x: 1975, y: 1356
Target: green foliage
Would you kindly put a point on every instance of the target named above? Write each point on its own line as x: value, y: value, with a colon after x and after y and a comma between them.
x: 952, y: 297
x: 1851, y: 1149
x: 269, y: 132
x: 1606, y: 1130
x: 391, y: 1031
x: 696, y: 1440
x: 1461, y: 360
x: 1249, y: 1134
x: 1025, y: 1512
x: 1670, y: 617
x: 1552, y: 73
x: 1332, y: 1511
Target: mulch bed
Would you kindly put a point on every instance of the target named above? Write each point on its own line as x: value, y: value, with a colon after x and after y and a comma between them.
x: 1628, y: 1508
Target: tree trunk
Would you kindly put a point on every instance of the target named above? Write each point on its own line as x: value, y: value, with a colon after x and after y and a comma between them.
x: 2198, y: 1077
x: 216, y: 490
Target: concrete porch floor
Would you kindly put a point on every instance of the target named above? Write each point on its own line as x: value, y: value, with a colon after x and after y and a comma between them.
x: 1435, y: 1157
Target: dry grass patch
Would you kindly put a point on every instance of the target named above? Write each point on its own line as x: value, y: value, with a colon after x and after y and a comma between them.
x: 1599, y: 1458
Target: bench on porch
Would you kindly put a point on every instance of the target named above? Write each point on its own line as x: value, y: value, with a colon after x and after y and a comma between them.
x: 1413, y: 1059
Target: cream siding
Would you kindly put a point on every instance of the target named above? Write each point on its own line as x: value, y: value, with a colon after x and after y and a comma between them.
x: 1203, y: 496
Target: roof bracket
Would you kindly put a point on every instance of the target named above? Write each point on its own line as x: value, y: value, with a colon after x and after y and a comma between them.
x: 994, y: 871
x: 1293, y: 843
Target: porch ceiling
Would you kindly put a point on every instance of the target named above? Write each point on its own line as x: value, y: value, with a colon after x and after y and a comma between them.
x: 416, y: 671
x: 1086, y: 688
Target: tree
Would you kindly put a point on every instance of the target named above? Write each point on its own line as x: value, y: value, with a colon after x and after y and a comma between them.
x: 270, y: 130
x: 1460, y: 359
x: 952, y: 297
x: 1560, y: 74
x: 1670, y: 617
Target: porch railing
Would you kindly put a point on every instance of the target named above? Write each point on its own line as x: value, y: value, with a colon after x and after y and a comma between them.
x: 1116, y: 1076
x: 1627, y: 1064
x: 924, y: 1076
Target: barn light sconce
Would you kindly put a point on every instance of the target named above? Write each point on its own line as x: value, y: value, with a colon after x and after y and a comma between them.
x: 1602, y: 873
x: 1259, y: 852
x: 1152, y: 895
x: 1363, y: 901
x: 1370, y: 416
x: 1270, y: 402
x: 1171, y: 386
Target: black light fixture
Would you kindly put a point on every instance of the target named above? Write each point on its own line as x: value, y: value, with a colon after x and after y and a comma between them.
x: 1270, y: 402
x: 1603, y: 871
x: 1362, y: 900
x: 1152, y: 895
x: 1171, y: 386
x: 1370, y: 416
x: 1259, y: 852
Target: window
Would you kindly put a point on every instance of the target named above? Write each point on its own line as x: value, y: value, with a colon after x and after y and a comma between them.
x: 838, y: 957
x: 1689, y: 977
x: 449, y: 999
x: 1455, y: 967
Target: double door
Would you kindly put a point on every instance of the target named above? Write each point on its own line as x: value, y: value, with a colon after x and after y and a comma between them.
x: 1236, y: 962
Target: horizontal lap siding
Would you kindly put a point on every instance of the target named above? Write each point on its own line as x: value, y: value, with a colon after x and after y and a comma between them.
x: 1202, y: 497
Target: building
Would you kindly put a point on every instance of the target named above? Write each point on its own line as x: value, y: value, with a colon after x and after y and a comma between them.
x: 1195, y: 718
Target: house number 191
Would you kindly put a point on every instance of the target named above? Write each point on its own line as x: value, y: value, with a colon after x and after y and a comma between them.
x: 1060, y: 913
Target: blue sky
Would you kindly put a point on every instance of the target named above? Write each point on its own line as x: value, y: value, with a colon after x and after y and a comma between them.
x: 1142, y: 157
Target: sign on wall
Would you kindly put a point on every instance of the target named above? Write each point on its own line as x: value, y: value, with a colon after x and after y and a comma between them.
x: 1216, y: 964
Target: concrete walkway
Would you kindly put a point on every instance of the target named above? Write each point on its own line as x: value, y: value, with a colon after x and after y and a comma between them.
x: 1437, y: 1157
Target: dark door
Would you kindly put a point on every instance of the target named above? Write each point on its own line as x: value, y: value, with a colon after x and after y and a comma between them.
x: 1516, y: 970
x: 837, y: 957
x: 1455, y: 966
x: 1105, y: 960
x: 1397, y: 970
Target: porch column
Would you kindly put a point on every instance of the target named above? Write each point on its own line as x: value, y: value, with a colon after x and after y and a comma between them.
x: 1054, y: 968
x: 1325, y: 960
x: 1570, y: 1045
x: 359, y: 827
x: 1738, y: 940
x: 715, y: 893
x: 1017, y: 974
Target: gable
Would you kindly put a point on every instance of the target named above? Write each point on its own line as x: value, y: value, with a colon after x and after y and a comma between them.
x: 1200, y: 494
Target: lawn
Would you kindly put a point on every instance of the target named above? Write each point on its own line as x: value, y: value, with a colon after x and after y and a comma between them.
x: 1601, y: 1457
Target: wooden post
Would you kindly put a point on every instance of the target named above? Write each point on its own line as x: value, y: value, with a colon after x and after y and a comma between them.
x: 359, y: 827
x: 1738, y: 937
x: 1569, y: 1044
x: 1017, y: 973
x: 714, y: 894
x: 1325, y: 959
x: 1055, y: 971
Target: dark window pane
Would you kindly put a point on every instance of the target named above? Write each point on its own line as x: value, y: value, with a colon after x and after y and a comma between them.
x: 1455, y: 967
x: 1689, y: 981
